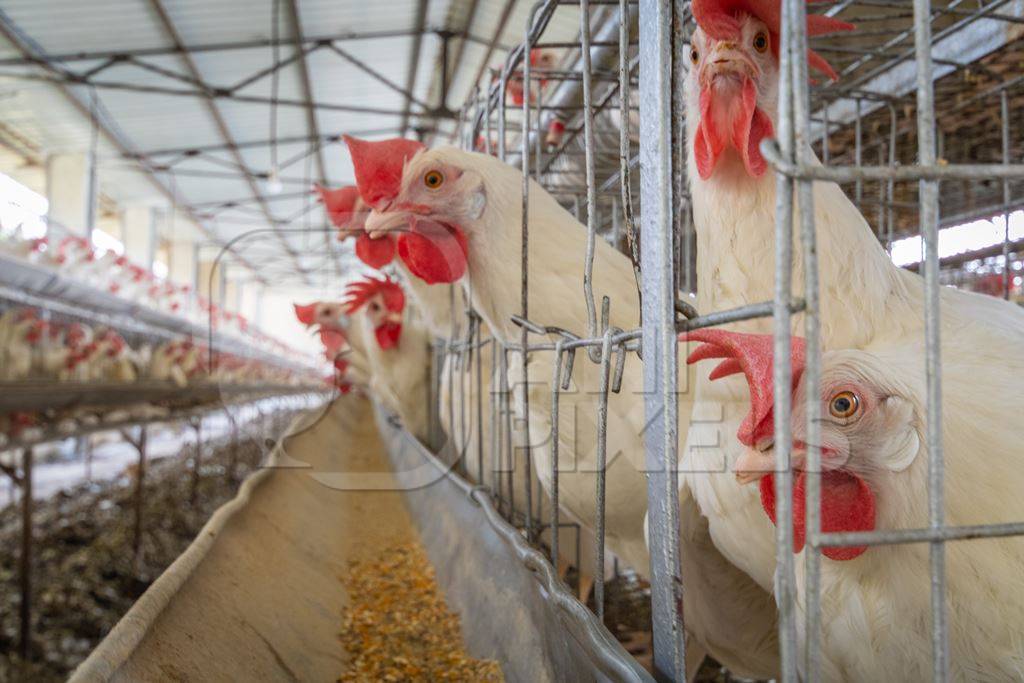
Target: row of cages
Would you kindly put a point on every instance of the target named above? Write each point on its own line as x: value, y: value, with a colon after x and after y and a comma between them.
x: 597, y: 436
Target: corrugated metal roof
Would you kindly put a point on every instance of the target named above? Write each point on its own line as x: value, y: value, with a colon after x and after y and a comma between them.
x: 149, y: 101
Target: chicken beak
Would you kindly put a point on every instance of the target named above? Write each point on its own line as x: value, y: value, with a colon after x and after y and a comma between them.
x: 379, y: 224
x: 754, y: 464
x: 726, y: 58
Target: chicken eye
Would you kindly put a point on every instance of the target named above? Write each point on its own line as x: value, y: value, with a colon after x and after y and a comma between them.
x: 433, y: 179
x: 694, y: 55
x: 761, y: 41
x: 844, y: 404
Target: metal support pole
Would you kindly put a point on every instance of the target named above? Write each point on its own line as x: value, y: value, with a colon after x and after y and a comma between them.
x: 659, y: 336
x: 140, y: 483
x: 1004, y: 109
x: 785, y: 572
x: 197, y: 461
x: 929, y: 200
x: 233, y: 462
x: 812, y: 367
x: 85, y: 445
x: 25, y: 568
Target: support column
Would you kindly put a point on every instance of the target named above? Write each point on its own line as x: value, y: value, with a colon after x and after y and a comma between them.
x: 138, y: 231
x: 210, y: 288
x: 182, y: 266
x: 249, y: 300
x: 71, y: 191
x: 232, y: 298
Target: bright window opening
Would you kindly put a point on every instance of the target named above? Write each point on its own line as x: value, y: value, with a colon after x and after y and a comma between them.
x: 22, y: 211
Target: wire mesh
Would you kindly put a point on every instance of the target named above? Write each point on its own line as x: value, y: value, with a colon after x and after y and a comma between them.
x: 600, y: 111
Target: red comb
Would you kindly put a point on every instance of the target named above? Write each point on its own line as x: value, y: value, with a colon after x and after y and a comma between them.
x: 305, y: 314
x: 340, y: 203
x: 359, y: 292
x: 750, y: 354
x: 379, y: 166
x: 720, y: 19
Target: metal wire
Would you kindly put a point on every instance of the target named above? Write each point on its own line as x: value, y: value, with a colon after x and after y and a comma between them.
x: 843, y: 113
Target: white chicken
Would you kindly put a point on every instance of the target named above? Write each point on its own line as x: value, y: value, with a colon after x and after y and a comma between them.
x: 459, y: 212
x: 332, y: 324
x: 397, y: 347
x: 24, y: 334
x: 874, y: 475
x: 866, y: 301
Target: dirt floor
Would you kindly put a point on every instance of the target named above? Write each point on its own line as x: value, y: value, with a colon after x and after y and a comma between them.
x: 85, y: 578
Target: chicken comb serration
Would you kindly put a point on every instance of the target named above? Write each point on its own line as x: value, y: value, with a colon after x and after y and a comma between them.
x: 751, y: 355
x: 339, y: 203
x: 379, y: 165
x: 720, y: 19
x: 360, y: 292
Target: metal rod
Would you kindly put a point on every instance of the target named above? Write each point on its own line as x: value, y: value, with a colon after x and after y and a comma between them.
x: 25, y: 558
x: 812, y: 367
x: 589, y: 145
x: 556, y: 386
x: 197, y: 461
x: 602, y: 465
x: 140, y: 483
x: 659, y: 337
x: 1004, y: 110
x: 923, y: 171
x: 782, y: 372
x: 929, y: 198
x: 925, y: 535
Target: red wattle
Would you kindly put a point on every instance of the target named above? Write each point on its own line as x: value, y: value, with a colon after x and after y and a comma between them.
x: 847, y: 504
x: 750, y: 125
x: 434, y: 252
x: 749, y: 130
x: 708, y: 144
x: 388, y: 335
x: 332, y: 340
x: 375, y: 253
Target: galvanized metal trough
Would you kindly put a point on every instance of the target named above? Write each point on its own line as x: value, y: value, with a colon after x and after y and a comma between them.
x: 257, y: 596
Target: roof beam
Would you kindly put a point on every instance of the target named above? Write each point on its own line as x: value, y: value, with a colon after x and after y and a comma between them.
x: 208, y: 47
x: 498, y: 30
x: 222, y: 127
x: 312, y: 126
x: 414, y: 60
x: 448, y: 69
x: 62, y: 76
x: 29, y: 50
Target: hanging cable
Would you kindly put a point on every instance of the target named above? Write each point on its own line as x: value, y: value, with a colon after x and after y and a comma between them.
x: 273, y: 181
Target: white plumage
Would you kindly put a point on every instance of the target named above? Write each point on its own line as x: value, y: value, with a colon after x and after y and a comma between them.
x: 877, y: 603
x: 485, y: 202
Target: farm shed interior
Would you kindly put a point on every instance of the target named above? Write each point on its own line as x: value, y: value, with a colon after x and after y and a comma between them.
x: 247, y: 363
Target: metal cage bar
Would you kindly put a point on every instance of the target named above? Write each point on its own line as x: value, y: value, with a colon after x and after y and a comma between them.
x: 659, y: 336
